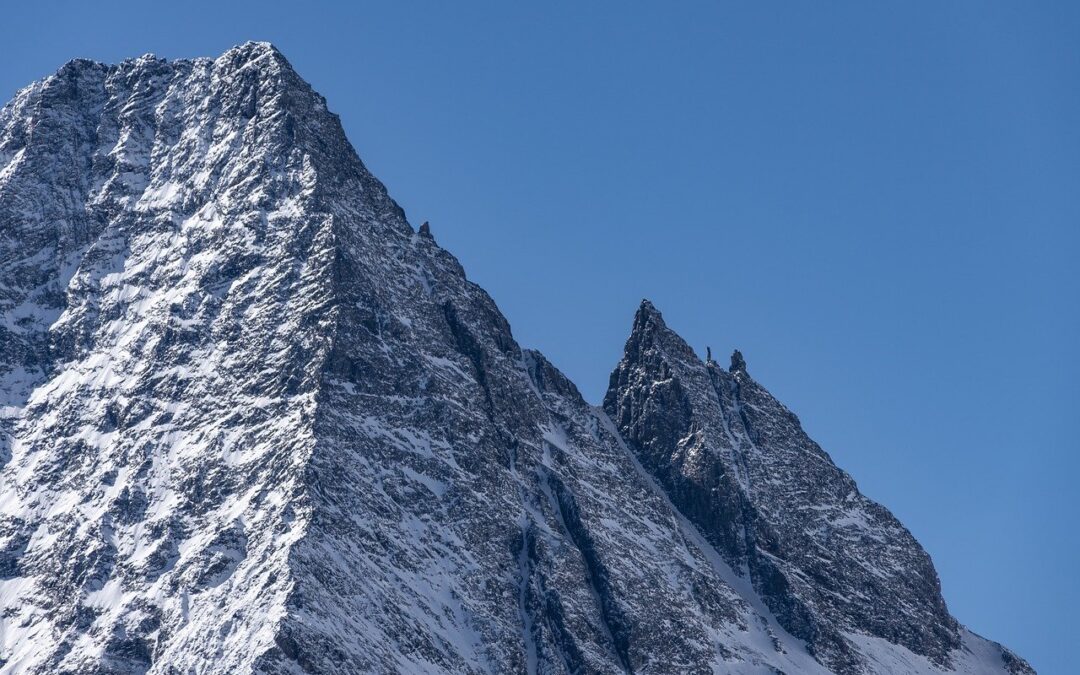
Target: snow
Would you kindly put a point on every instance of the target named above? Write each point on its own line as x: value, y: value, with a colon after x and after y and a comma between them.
x: 218, y: 460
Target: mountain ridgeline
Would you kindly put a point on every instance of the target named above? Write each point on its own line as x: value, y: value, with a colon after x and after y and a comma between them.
x: 251, y: 421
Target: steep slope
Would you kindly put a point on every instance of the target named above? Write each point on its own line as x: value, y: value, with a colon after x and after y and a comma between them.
x: 832, y: 565
x: 252, y: 421
x: 257, y: 423
x: 166, y: 288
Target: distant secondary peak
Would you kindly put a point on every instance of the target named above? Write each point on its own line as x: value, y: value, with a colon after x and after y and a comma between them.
x: 738, y: 363
x: 425, y: 231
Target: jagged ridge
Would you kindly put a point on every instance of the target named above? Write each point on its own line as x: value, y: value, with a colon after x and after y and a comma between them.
x: 826, y: 560
x: 253, y: 422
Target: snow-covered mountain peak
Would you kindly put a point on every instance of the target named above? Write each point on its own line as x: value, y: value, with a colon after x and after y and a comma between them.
x: 250, y: 421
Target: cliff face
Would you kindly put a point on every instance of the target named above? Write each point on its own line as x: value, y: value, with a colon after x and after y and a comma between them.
x: 828, y: 562
x: 251, y: 421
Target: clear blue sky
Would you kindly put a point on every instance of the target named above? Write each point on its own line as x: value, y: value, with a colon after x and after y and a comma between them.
x: 879, y: 205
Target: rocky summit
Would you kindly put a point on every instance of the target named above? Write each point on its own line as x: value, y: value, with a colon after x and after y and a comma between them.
x: 251, y: 421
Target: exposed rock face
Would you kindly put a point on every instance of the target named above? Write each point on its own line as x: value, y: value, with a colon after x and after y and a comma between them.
x: 251, y: 421
x: 825, y: 560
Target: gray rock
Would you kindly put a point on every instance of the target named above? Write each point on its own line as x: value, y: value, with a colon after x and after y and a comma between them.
x: 251, y: 421
x: 826, y: 561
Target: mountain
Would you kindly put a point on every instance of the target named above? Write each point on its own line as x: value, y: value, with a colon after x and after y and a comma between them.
x: 252, y: 421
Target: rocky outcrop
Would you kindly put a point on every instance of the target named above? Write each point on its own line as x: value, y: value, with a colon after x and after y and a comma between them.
x: 825, y: 560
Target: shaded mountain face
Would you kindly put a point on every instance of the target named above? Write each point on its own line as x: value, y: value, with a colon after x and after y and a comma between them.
x: 252, y: 422
x: 826, y: 560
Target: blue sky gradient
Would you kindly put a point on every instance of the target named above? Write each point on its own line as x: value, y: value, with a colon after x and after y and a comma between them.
x: 879, y: 204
